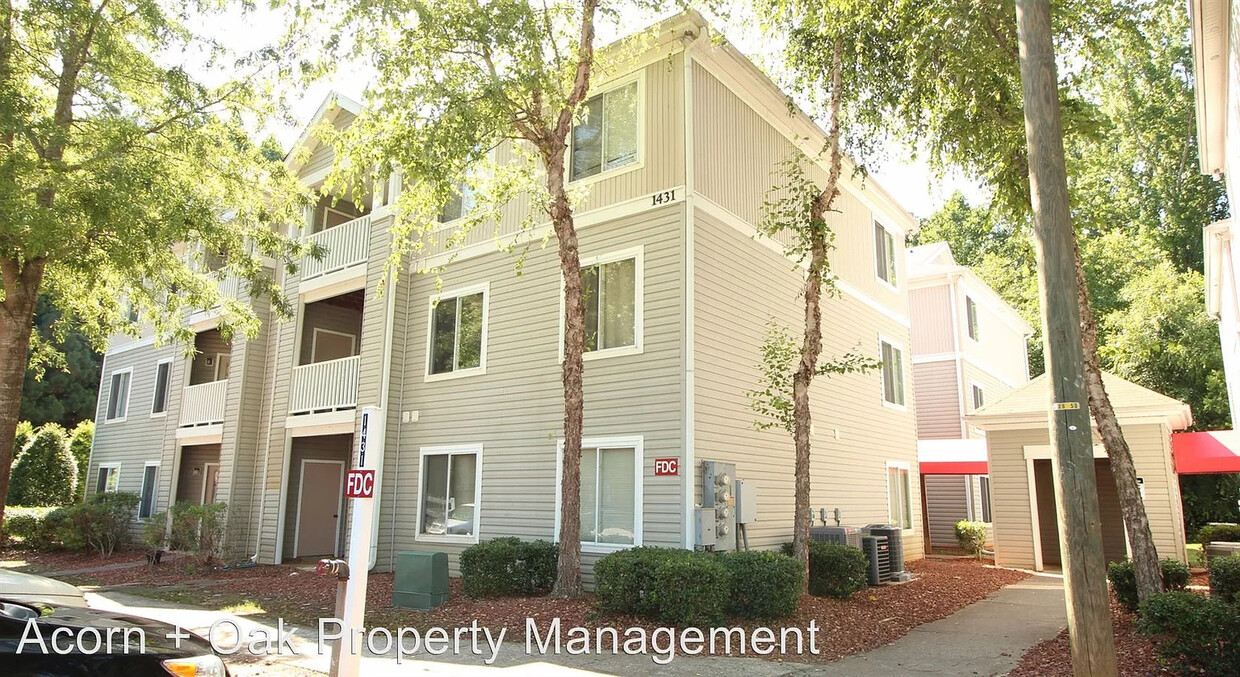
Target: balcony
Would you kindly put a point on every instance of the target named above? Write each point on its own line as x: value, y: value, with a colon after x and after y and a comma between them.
x: 344, y: 246
x: 324, y: 386
x: 203, y: 404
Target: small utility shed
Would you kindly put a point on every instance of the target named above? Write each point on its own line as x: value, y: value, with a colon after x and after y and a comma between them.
x: 1026, y: 526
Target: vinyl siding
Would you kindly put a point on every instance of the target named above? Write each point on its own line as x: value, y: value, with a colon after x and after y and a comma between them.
x: 1150, y: 445
x: 938, y: 400
x: 515, y: 409
x: 999, y: 348
x: 947, y: 502
x: 324, y: 315
x: 930, y: 314
x: 740, y: 284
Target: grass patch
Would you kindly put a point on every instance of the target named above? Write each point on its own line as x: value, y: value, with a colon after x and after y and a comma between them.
x: 1196, y: 556
x: 246, y: 607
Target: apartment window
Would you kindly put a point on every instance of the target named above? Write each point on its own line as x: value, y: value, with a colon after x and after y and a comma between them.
x: 606, y: 136
x: 159, y: 404
x: 131, y: 312
x: 884, y: 254
x: 458, y: 332
x: 893, y: 373
x: 459, y: 205
x: 979, y: 398
x: 984, y: 482
x: 899, y: 496
x: 451, y: 486
x: 118, y: 396
x: 610, y: 290
x: 146, y: 502
x: 109, y: 477
x: 970, y: 311
x: 609, y: 497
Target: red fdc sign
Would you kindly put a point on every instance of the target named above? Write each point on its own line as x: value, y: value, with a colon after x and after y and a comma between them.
x: 667, y: 466
x: 360, y: 484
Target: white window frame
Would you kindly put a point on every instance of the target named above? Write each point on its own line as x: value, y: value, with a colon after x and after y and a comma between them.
x: 975, y: 389
x: 639, y: 464
x: 111, y: 394
x: 115, y: 471
x: 154, y: 489
x: 485, y: 289
x: 639, y: 303
x: 875, y: 224
x: 638, y: 76
x: 907, y: 468
x: 155, y: 389
x: 882, y: 376
x: 448, y: 450
x: 314, y: 341
x: 972, y: 322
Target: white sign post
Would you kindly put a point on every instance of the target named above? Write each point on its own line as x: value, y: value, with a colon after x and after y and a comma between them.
x: 360, y: 489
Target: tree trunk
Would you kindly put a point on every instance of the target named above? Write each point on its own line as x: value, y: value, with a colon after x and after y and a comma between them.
x: 811, y: 344
x: 568, y: 568
x: 21, y: 282
x: 1090, y: 634
x: 1145, y: 565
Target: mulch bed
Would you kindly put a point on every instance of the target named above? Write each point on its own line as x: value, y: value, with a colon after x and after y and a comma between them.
x: 33, y: 561
x: 1135, y: 652
x: 872, y: 618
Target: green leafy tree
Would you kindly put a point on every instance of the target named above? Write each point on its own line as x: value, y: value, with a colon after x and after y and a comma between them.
x: 46, y: 473
x: 460, y: 80
x: 121, y: 172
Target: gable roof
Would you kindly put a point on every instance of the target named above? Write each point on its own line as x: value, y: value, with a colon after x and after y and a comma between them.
x: 332, y: 107
x: 1030, y: 403
x: 934, y: 264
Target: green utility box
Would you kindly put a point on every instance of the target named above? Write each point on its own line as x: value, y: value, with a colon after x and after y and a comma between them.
x: 421, y: 580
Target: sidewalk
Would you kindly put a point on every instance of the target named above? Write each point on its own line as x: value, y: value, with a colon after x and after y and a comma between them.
x: 984, y: 638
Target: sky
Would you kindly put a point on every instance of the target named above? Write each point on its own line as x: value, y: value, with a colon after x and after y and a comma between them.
x: 909, y: 180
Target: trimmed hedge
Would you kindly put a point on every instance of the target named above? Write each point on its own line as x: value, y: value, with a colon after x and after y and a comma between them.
x: 24, y: 523
x: 1218, y: 532
x: 45, y: 473
x: 1225, y: 578
x: 1175, y: 575
x: 1193, y: 634
x: 692, y: 589
x: 836, y: 570
x: 765, y: 585
x: 624, y: 580
x: 508, y: 566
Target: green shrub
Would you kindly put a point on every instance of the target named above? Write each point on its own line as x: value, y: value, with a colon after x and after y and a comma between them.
x: 692, y: 589
x: 24, y: 523
x: 1218, y: 532
x: 624, y: 580
x: 25, y: 433
x: 46, y: 473
x: 60, y: 531
x: 1225, y: 578
x: 104, y: 519
x: 765, y: 585
x: 80, y: 440
x: 971, y: 536
x: 836, y: 570
x: 197, y: 529
x: 1175, y: 575
x: 155, y: 531
x: 1193, y: 634
x: 508, y: 566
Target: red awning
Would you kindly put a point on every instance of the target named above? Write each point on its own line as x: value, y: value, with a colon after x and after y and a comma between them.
x: 954, y: 468
x: 1215, y: 451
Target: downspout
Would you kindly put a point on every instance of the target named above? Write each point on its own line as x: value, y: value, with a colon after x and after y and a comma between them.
x: 404, y: 352
x: 689, y: 305
x: 384, y: 382
x: 271, y: 367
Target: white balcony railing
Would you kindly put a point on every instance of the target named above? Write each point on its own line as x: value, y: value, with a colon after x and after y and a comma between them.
x: 229, y: 286
x: 203, y: 404
x: 324, y: 386
x: 345, y: 245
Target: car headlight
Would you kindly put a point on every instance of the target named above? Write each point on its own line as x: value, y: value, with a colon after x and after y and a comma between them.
x: 198, y: 666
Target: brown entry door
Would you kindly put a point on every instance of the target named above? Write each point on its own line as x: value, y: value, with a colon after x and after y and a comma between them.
x: 318, y: 512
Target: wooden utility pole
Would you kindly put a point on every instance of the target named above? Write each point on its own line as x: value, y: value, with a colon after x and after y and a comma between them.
x: 1076, y: 492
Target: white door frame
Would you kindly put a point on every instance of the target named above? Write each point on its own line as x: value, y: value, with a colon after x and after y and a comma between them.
x: 301, y: 488
x: 202, y: 499
x: 314, y: 341
x: 217, y: 363
x: 1043, y: 452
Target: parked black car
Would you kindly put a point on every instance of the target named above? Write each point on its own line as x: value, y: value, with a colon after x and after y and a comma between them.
x: 46, y: 640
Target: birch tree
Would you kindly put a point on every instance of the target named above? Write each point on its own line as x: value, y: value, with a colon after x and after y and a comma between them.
x: 457, y: 81
x: 113, y: 156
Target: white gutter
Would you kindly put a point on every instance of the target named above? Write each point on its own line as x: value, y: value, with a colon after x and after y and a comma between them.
x: 384, y: 383
x: 273, y: 344
x: 960, y: 400
x: 689, y: 305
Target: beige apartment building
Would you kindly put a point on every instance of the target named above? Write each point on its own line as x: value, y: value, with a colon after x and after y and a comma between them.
x: 969, y: 348
x: 467, y: 375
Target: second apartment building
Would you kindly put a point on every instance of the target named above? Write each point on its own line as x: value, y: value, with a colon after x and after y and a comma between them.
x: 677, y: 153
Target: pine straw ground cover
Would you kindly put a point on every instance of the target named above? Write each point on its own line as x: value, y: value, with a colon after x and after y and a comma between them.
x: 1134, y: 651
x: 872, y: 618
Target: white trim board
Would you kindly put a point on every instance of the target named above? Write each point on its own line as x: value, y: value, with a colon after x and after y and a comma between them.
x: 314, y: 341
x: 952, y: 356
x: 483, y: 288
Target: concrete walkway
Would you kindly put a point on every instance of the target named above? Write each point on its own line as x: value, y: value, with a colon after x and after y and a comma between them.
x: 984, y: 638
